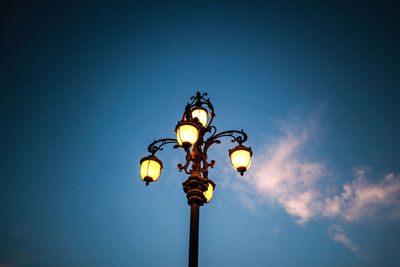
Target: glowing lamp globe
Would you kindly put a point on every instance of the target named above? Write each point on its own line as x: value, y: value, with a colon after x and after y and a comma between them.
x: 150, y: 169
x: 209, y: 192
x: 201, y: 114
x: 187, y: 133
x: 241, y: 158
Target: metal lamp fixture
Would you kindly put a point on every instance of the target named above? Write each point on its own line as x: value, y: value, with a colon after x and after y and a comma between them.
x: 187, y: 133
x: 241, y: 158
x: 150, y: 169
x: 201, y: 114
x: 195, y: 134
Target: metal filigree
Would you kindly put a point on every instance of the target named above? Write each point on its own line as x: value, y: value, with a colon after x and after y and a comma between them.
x: 198, y: 101
x: 196, y: 156
x: 158, y: 144
x: 188, y: 160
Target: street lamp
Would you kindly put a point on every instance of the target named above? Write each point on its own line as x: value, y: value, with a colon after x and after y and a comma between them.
x: 195, y: 134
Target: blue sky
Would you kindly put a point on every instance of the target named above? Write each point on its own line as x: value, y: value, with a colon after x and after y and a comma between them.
x: 86, y: 87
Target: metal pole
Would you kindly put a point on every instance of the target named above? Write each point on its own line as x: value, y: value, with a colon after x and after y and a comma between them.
x: 194, y: 235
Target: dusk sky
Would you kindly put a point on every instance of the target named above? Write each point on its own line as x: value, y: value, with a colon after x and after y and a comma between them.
x: 85, y: 88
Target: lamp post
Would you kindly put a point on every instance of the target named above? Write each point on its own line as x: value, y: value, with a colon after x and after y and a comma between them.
x: 195, y: 134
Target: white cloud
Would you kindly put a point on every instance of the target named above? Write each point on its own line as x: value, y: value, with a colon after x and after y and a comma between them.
x: 280, y: 175
x: 340, y: 236
x: 362, y: 198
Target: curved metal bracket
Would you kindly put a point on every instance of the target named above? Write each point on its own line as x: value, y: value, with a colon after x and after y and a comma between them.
x: 237, y: 136
x: 241, y: 138
x: 158, y: 144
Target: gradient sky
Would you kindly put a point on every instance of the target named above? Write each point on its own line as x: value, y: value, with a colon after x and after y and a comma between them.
x: 86, y: 87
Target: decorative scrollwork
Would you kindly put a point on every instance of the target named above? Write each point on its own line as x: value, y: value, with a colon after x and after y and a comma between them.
x: 211, y: 129
x: 197, y: 154
x: 241, y: 138
x: 158, y: 144
x: 237, y: 136
x: 199, y: 100
x: 188, y: 160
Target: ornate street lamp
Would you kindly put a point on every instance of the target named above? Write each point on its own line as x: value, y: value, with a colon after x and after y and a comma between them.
x: 195, y: 134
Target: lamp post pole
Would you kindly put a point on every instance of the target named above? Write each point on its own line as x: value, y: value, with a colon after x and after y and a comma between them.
x: 194, y: 187
x: 191, y: 132
x: 194, y: 234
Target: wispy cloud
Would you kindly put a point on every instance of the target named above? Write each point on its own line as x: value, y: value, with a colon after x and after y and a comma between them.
x: 362, y: 198
x: 280, y: 175
x: 340, y: 236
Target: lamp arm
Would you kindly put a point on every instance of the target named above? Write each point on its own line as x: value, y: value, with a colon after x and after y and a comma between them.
x: 158, y: 144
x: 240, y: 138
x: 237, y: 136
